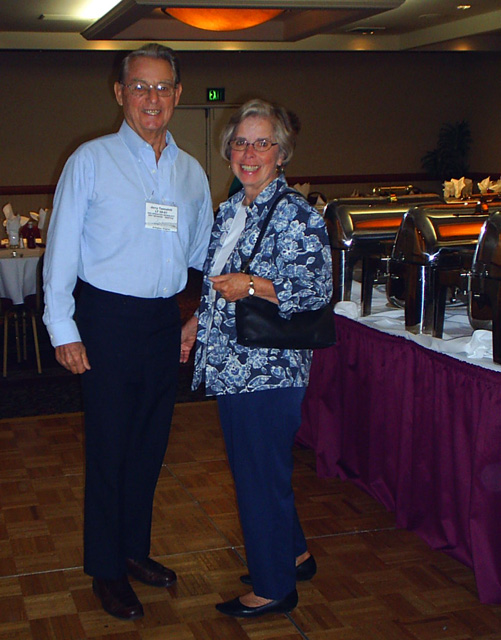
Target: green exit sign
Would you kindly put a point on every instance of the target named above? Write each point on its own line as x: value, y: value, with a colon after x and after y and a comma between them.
x: 215, y: 94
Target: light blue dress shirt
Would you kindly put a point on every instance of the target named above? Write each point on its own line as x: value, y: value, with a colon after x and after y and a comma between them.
x: 97, y: 229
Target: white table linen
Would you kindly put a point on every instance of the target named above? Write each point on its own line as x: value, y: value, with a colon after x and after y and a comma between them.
x: 18, y: 274
x: 459, y: 339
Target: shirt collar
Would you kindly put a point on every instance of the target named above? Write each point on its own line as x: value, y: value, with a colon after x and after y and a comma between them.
x: 136, y: 144
x: 261, y: 199
x: 268, y: 192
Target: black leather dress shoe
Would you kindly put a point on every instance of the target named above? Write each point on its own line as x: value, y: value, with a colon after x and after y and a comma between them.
x: 151, y: 572
x: 238, y: 610
x: 118, y: 598
x: 304, y: 571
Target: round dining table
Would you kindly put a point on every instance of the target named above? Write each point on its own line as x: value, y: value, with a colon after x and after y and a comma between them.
x: 18, y: 273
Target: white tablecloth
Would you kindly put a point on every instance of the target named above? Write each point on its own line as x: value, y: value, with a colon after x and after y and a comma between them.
x: 18, y: 275
x: 459, y: 340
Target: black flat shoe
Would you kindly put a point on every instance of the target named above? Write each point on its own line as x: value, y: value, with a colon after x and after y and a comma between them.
x: 304, y: 571
x: 238, y: 610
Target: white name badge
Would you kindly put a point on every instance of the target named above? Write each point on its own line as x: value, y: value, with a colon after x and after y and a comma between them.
x: 161, y: 216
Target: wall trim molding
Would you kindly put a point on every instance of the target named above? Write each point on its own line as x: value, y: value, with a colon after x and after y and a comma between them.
x: 370, y: 178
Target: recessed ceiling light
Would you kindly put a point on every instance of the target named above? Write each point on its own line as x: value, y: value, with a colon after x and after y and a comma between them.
x: 463, y: 7
x: 366, y: 31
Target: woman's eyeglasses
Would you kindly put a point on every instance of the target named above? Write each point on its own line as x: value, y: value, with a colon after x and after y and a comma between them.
x: 261, y: 145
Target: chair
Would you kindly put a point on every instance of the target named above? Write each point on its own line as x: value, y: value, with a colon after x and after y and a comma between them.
x: 31, y: 308
x: 9, y: 311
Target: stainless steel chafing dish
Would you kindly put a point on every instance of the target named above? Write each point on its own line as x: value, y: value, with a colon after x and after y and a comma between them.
x: 431, y: 257
x: 484, y: 295
x: 363, y: 229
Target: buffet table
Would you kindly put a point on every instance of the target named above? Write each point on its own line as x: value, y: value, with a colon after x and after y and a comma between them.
x: 418, y: 430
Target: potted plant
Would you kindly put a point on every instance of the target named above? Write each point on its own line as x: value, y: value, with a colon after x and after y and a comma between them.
x: 450, y: 157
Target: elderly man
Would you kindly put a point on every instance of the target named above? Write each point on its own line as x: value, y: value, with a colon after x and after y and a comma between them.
x: 131, y: 213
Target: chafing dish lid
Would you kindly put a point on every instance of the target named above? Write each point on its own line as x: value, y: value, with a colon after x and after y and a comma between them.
x: 487, y: 260
x: 427, y: 230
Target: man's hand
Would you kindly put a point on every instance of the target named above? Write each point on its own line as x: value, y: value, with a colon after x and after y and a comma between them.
x: 73, y: 357
x: 188, y: 338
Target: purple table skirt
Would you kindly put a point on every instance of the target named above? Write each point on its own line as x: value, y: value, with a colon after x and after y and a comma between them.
x: 421, y: 432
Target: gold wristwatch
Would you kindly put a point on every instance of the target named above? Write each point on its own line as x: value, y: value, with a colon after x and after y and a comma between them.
x: 252, y: 291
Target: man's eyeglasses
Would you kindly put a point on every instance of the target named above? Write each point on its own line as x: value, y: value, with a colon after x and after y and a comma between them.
x: 261, y: 145
x: 163, y: 89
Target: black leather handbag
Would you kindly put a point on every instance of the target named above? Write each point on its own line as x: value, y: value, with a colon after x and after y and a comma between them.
x: 259, y: 324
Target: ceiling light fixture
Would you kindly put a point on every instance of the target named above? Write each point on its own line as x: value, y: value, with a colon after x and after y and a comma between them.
x: 90, y: 10
x: 94, y: 9
x: 223, y: 19
x: 463, y: 7
x: 366, y: 31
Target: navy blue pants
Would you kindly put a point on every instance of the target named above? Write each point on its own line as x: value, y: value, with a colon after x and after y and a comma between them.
x: 259, y: 430
x: 133, y: 346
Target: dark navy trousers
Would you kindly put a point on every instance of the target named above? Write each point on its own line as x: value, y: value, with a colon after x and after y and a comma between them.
x: 259, y: 430
x: 133, y: 346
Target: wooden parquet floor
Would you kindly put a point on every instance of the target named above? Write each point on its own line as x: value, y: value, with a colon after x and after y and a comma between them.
x: 374, y: 582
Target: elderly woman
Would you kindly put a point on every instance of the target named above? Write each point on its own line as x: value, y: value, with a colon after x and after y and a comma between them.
x: 260, y: 391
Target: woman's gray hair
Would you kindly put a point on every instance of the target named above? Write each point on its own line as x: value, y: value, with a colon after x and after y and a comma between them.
x: 285, y: 126
x: 152, y: 50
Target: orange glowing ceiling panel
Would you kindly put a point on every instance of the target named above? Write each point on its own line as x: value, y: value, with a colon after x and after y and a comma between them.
x: 465, y: 230
x: 223, y: 19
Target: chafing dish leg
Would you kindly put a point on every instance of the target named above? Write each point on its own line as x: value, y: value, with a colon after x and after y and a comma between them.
x: 349, y: 266
x: 413, y: 298
x: 395, y: 284
x: 430, y: 286
x: 481, y: 301
x: 370, y: 267
x: 439, y: 312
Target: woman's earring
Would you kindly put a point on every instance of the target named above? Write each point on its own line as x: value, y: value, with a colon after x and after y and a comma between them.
x: 280, y: 168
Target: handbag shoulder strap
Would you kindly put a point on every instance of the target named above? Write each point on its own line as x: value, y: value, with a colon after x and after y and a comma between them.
x: 273, y: 205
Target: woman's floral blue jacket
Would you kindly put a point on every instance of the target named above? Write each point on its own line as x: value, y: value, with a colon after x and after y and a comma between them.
x: 295, y: 255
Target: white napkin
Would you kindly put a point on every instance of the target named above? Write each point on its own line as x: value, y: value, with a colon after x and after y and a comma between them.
x: 496, y: 186
x: 484, y: 185
x: 477, y: 346
x: 303, y: 188
x: 489, y: 186
x: 42, y: 217
x: 448, y: 189
x: 458, y: 188
x: 8, y: 211
x: 13, y: 225
x: 9, y: 214
x: 347, y: 309
x: 21, y: 220
x: 39, y: 217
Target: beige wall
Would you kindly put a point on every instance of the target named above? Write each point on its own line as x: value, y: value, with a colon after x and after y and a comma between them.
x: 361, y: 112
